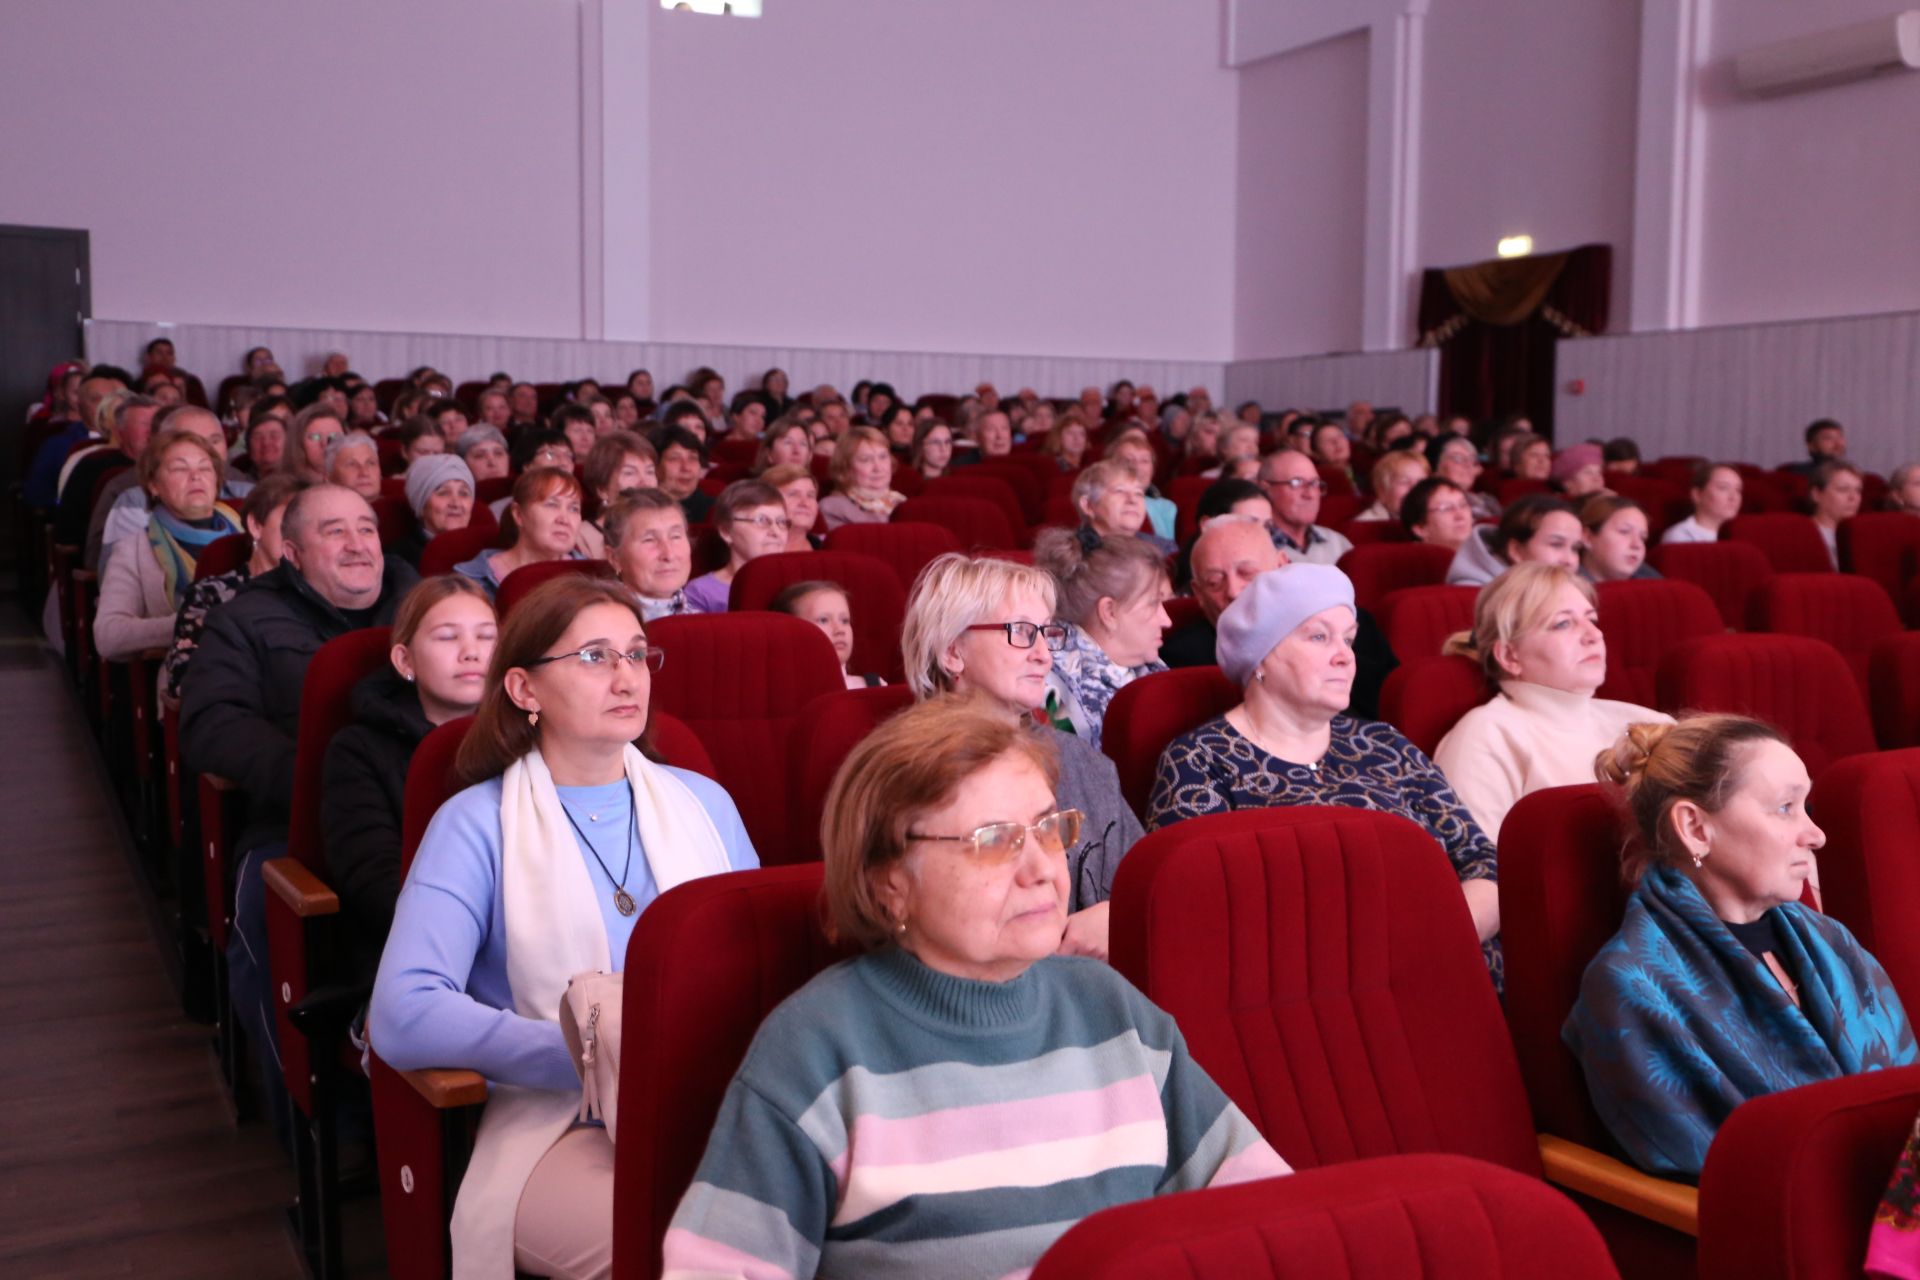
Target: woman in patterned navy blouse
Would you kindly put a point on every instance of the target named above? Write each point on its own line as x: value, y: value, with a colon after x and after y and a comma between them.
x: 1288, y: 642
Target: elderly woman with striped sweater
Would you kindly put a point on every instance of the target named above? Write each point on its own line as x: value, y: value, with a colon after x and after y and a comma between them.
x: 949, y: 1103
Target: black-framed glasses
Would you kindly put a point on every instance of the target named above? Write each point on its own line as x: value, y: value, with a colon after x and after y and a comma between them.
x: 1001, y: 842
x: 1021, y: 635
x: 604, y: 657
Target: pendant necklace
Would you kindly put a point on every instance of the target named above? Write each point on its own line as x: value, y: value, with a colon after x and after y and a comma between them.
x: 622, y: 900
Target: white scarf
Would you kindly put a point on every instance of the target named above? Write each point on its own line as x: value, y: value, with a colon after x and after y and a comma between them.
x: 554, y: 931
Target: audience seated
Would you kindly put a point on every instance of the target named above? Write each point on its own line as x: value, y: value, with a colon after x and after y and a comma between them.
x: 531, y: 875
x: 484, y: 450
x: 1112, y: 503
x: 42, y: 484
x: 751, y: 519
x: 1536, y: 634
x: 1438, y: 512
x: 862, y: 475
x: 264, y: 447
x: 1294, y: 487
x: 932, y: 451
x: 125, y: 515
x: 1113, y: 593
x: 545, y: 524
x: 683, y: 463
x: 126, y: 423
x: 800, y: 492
x: 1903, y: 489
x: 1836, y: 487
x: 1826, y: 442
x: 1397, y: 471
x: 314, y: 429
x: 1288, y: 641
x: 1333, y: 449
x: 1616, y: 545
x: 1721, y: 985
x: 786, y: 443
x: 826, y: 606
x: 618, y: 461
x: 145, y: 582
x: 440, y: 491
x: 261, y: 516
x: 1579, y: 472
x: 1538, y: 527
x: 1717, y: 492
x: 986, y: 628
x: 1454, y: 458
x: 443, y: 637
x: 960, y: 1032
x: 1531, y: 457
x: 1131, y: 449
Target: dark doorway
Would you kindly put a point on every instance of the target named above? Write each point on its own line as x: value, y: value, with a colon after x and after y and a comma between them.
x: 45, y: 299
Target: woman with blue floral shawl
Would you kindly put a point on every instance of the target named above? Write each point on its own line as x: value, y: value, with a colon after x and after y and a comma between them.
x: 1720, y: 986
x: 1114, y: 592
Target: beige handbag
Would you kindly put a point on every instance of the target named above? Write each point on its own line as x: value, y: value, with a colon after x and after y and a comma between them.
x: 590, y: 1020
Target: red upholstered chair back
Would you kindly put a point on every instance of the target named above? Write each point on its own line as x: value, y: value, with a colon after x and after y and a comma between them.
x: 1883, y: 546
x: 396, y: 519
x: 491, y: 490
x: 739, y: 680
x: 1893, y: 677
x: 222, y: 555
x: 827, y: 730
x: 1727, y: 571
x: 1847, y: 611
x: 1323, y: 968
x: 1380, y: 569
x: 675, y: 742
x: 1665, y: 502
x: 1643, y: 619
x: 1339, y: 483
x: 1791, y: 542
x: 975, y: 523
x: 455, y: 546
x: 1869, y: 807
x: 707, y: 962
x: 1376, y: 533
x: 1184, y: 492
x: 1060, y: 513
x: 1181, y: 610
x: 1425, y: 697
x: 1793, y: 1178
x: 906, y: 548
x: 325, y: 709
x: 1380, y: 1219
x: 1802, y: 686
x: 516, y: 586
x: 1338, y: 509
x: 877, y: 599
x: 987, y: 488
x: 1561, y: 899
x: 1028, y: 489
x: 1762, y: 492
x: 1151, y: 712
x: 1513, y: 489
x: 1418, y: 620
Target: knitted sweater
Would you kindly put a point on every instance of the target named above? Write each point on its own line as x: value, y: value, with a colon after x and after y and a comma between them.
x: 893, y: 1121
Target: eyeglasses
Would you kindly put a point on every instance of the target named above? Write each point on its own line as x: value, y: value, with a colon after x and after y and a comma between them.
x: 1021, y: 635
x: 596, y: 657
x: 1447, y: 508
x: 999, y: 843
x: 769, y: 522
x: 1298, y: 482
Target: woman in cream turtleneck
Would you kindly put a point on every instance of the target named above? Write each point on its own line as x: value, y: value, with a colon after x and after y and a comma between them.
x: 1536, y: 632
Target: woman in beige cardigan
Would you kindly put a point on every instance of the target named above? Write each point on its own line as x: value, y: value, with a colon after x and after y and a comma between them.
x: 1536, y: 633
x: 145, y: 578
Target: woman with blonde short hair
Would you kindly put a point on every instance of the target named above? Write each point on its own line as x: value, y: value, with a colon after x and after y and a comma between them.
x: 1397, y: 471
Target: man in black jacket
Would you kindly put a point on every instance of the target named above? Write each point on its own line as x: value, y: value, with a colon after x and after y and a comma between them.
x: 240, y: 709
x: 1226, y: 558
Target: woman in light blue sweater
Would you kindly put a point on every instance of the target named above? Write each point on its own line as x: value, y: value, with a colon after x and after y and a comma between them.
x: 533, y: 874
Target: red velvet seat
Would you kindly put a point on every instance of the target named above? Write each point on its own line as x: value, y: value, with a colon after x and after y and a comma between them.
x: 906, y: 548
x: 1893, y: 681
x: 1184, y: 492
x: 1339, y: 483
x: 1665, y: 502
x: 758, y: 938
x: 1323, y: 968
x: 1762, y: 491
x: 974, y: 522
x: 986, y: 488
x: 1512, y: 489
x: 1028, y: 488
x: 1642, y: 619
x: 1151, y: 712
x: 1418, y: 620
x: 1339, y: 509
x: 1790, y: 541
x: 1885, y: 547
x: 878, y: 601
x: 739, y: 681
x: 1847, y: 611
x: 455, y: 546
x: 222, y: 555
x: 1382, y: 1219
x: 1869, y: 808
x: 1425, y: 697
x: 516, y: 586
x: 1376, y: 533
x: 826, y: 732
x: 1727, y: 571
x: 492, y: 489
x: 1381, y: 569
x: 397, y: 521
x: 1802, y: 686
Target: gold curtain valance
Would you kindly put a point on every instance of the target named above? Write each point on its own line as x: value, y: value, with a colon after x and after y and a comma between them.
x: 1505, y: 290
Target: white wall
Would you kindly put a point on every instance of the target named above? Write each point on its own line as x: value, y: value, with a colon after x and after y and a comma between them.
x: 364, y: 163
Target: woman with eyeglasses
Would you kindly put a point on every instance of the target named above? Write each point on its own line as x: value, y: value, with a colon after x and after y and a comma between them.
x: 949, y: 1102
x: 986, y: 628
x: 1287, y: 641
x: 534, y: 873
x: 544, y: 516
x: 1437, y: 512
x: 1454, y: 458
x: 751, y: 519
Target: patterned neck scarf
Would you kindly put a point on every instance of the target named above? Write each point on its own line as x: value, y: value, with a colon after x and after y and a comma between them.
x: 1094, y: 677
x: 176, y: 544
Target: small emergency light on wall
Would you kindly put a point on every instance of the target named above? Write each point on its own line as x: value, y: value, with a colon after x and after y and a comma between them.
x: 1515, y: 246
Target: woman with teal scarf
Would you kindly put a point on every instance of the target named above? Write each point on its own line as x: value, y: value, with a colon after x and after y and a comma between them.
x: 1720, y: 986
x: 143, y: 582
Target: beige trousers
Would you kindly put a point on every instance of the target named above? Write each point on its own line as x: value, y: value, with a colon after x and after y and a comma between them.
x: 564, y: 1225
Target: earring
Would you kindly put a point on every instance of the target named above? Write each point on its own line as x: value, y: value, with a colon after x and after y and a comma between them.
x: 407, y: 678
x: 1260, y: 677
x: 1698, y: 858
x: 900, y: 928
x: 533, y: 719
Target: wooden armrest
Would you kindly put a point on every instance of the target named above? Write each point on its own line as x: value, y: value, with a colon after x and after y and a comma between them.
x: 1591, y: 1173
x: 219, y: 783
x: 303, y: 892
x: 446, y: 1088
